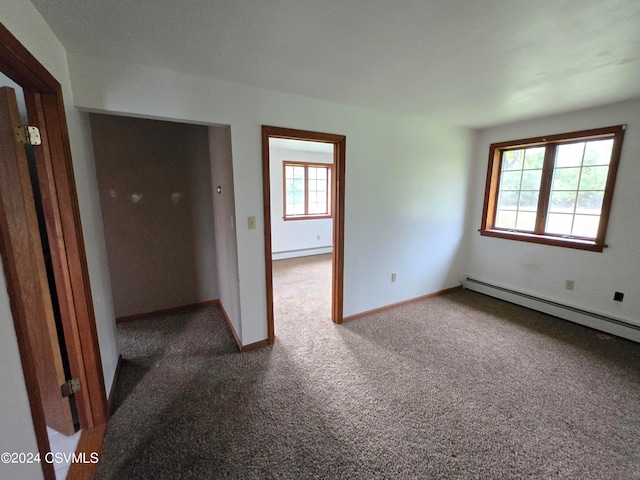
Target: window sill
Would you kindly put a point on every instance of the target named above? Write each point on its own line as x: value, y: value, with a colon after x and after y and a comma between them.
x: 588, y: 245
x: 306, y: 217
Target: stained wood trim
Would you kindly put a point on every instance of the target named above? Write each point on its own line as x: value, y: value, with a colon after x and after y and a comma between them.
x: 241, y: 347
x: 17, y: 248
x: 337, y: 211
x: 90, y: 445
x: 255, y: 346
x: 230, y: 325
x: 164, y: 311
x: 400, y: 304
x: 545, y: 188
x: 114, y: 385
x: 338, y: 186
x: 306, y: 165
x: 616, y: 133
x: 17, y: 63
x: 58, y: 251
x: 23, y: 68
x: 545, y: 240
x: 74, y: 243
x: 582, y: 135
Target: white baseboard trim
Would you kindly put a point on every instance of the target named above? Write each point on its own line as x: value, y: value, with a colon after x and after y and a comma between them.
x: 598, y: 321
x: 301, y: 252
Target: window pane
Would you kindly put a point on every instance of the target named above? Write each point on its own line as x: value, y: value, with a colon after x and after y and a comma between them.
x: 506, y: 219
x: 528, y: 202
x: 508, y: 200
x: 511, y: 180
x: 526, y: 221
x: 586, y: 226
x: 288, y: 171
x: 298, y: 172
x: 558, y: 223
x: 316, y: 181
x: 317, y: 208
x: 562, y: 202
x: 566, y: 178
x: 321, y: 185
x: 598, y: 152
x: 594, y: 178
x: 534, y: 158
x: 512, y: 160
x: 590, y: 202
x: 294, y: 189
x: 295, y: 209
x: 531, y: 179
x: 569, y: 155
x: 519, y: 188
x: 570, y: 175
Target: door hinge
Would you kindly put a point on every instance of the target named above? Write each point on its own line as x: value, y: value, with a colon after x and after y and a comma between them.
x: 28, y: 135
x: 70, y: 387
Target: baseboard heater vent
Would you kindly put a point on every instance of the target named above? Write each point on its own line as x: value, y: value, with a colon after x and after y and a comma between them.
x: 301, y: 252
x: 567, y: 312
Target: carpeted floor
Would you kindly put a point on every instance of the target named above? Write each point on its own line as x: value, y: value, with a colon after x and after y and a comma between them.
x: 460, y: 386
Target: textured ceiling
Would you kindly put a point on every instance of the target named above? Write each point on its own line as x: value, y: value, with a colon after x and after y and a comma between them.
x: 467, y: 62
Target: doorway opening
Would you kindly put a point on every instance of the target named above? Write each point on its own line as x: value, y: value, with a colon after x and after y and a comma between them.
x: 307, y: 206
x: 168, y: 208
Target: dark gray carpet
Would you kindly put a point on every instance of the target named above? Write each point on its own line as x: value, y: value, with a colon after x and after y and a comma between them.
x: 461, y: 386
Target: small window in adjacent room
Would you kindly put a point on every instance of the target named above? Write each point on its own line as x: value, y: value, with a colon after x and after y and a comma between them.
x: 307, y: 189
x: 554, y: 190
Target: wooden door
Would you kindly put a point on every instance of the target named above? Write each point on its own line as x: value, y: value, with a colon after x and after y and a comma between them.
x: 23, y: 261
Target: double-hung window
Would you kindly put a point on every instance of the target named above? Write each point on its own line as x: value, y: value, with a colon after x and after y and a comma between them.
x: 307, y: 188
x: 555, y: 190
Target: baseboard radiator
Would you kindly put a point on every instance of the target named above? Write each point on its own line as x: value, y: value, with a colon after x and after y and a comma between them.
x: 301, y: 252
x: 583, y: 317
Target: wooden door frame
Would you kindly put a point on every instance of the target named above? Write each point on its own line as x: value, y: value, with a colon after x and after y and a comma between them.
x: 45, y: 108
x: 337, y: 207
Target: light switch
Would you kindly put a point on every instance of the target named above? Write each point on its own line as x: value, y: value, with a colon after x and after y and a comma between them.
x: 252, y: 223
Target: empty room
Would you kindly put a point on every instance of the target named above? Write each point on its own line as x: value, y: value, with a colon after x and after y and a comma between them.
x: 459, y: 239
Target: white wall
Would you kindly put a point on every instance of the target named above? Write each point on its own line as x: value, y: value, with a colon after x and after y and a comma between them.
x: 406, y: 179
x: 16, y: 426
x: 542, y: 270
x: 296, y: 238
x: 23, y: 20
x: 225, y: 223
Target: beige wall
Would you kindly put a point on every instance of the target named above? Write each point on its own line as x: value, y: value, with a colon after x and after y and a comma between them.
x: 155, y: 193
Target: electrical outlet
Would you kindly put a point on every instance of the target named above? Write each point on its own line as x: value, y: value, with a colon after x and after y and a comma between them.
x: 568, y: 284
x: 618, y: 296
x: 393, y: 277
